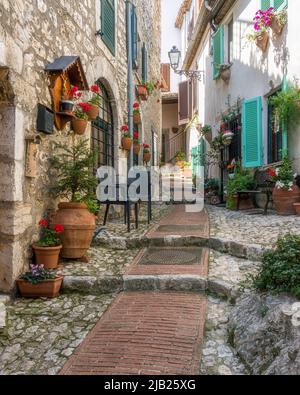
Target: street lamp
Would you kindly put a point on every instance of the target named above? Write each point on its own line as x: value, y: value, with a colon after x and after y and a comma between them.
x: 175, y: 57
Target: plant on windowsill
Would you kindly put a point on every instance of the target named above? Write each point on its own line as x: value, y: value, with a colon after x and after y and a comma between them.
x: 286, y: 193
x: 136, y: 143
x: 287, y: 107
x: 39, y: 283
x: 80, y: 120
x: 48, y: 248
x: 136, y: 114
x: 74, y: 181
x: 243, y: 180
x: 146, y: 153
x: 94, y: 102
x: 225, y: 71
x: 126, y: 138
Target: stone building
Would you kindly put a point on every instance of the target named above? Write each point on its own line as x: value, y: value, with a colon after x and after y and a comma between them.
x: 34, y: 33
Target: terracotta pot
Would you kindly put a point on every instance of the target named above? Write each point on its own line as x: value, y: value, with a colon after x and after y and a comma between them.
x: 142, y: 92
x: 225, y: 74
x: 262, y: 41
x: 297, y: 208
x: 284, y: 200
x: 275, y: 26
x: 136, y: 149
x: 246, y: 202
x: 79, y: 226
x: 93, y: 112
x: 147, y: 157
x: 47, y: 256
x: 45, y: 289
x: 127, y: 143
x: 137, y: 118
x: 79, y: 126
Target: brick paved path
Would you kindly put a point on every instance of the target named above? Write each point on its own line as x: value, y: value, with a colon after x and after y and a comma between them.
x: 152, y: 333
x: 144, y: 333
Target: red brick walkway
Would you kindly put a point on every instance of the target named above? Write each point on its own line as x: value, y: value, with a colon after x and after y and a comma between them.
x: 144, y: 333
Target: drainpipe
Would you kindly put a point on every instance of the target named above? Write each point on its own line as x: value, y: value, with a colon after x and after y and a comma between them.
x: 130, y: 79
x: 214, y: 12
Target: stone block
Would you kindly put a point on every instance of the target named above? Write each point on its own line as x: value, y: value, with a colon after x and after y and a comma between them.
x: 2, y: 317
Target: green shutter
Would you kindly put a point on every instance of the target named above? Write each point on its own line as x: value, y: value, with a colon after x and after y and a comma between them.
x: 144, y: 63
x: 252, y: 133
x: 218, y: 51
x: 108, y: 24
x: 284, y: 126
x: 280, y: 4
x: 265, y: 4
x: 134, y: 35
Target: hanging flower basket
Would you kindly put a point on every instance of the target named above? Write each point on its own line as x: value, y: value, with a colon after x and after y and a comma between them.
x: 142, y: 92
x: 93, y: 112
x: 227, y: 137
x: 126, y: 143
x: 136, y: 149
x: 262, y: 40
x: 79, y: 126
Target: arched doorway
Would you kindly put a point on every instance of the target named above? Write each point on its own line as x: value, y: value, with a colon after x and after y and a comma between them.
x: 102, y: 133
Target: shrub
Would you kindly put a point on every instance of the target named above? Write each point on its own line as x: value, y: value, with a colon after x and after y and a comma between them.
x: 280, y: 270
x: 243, y: 180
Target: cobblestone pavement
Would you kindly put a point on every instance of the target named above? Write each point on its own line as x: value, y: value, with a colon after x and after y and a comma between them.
x: 218, y: 357
x: 250, y: 229
x: 42, y: 334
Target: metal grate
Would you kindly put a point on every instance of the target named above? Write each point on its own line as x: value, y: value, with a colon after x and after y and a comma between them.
x: 172, y: 256
x: 180, y: 228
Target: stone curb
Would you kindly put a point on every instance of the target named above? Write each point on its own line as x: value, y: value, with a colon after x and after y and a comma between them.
x: 92, y: 285
x: 252, y: 252
x: 165, y: 283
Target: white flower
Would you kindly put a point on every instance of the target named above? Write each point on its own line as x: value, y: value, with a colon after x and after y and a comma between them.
x: 277, y: 171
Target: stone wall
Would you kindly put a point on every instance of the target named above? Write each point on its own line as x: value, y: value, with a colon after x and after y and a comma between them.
x: 34, y: 33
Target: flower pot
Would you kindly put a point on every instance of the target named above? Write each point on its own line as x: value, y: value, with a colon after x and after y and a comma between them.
x: 208, y: 137
x: 246, y: 202
x: 127, y: 143
x: 79, y: 126
x: 262, y: 40
x: 45, y: 289
x: 276, y: 26
x: 227, y: 138
x: 47, y: 256
x: 284, y: 200
x: 66, y: 106
x: 137, y: 119
x: 136, y: 149
x: 79, y: 226
x: 146, y: 157
x: 142, y: 92
x: 225, y: 75
x: 93, y: 112
x: 297, y: 208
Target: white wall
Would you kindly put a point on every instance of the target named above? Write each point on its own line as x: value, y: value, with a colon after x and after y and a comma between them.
x: 170, y: 35
x: 252, y: 70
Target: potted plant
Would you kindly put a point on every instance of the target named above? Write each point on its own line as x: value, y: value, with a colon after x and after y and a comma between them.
x: 66, y: 104
x: 286, y: 193
x: 227, y: 137
x: 94, y: 102
x: 48, y: 248
x: 136, y: 114
x: 74, y: 181
x: 180, y: 159
x: 262, y: 25
x: 142, y: 91
x: 146, y: 153
x: 225, y: 71
x: 39, y: 283
x: 206, y: 131
x: 136, y: 143
x: 243, y: 180
x: 278, y: 21
x: 126, y: 138
x: 286, y: 106
x: 80, y: 120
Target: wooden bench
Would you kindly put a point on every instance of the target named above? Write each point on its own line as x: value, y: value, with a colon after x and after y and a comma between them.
x: 264, y: 185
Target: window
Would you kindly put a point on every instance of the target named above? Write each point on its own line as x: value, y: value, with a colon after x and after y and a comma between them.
x: 235, y: 148
x: 230, y: 41
x: 102, y: 136
x: 218, y: 51
x: 185, y: 102
x: 276, y: 4
x: 108, y: 24
x: 275, y: 136
x: 252, y: 133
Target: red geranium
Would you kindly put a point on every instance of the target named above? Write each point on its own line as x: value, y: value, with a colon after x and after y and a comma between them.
x: 124, y: 128
x: 43, y: 223
x: 59, y: 228
x: 73, y: 91
x: 271, y: 172
x: 136, y: 106
x: 135, y: 136
x: 85, y: 107
x: 146, y: 146
x: 95, y: 89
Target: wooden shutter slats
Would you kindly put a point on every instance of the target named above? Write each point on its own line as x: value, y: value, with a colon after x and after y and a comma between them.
x: 185, y: 102
x: 218, y: 51
x: 166, y: 75
x: 108, y: 24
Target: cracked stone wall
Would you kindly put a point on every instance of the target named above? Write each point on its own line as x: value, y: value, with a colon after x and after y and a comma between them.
x: 32, y: 34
